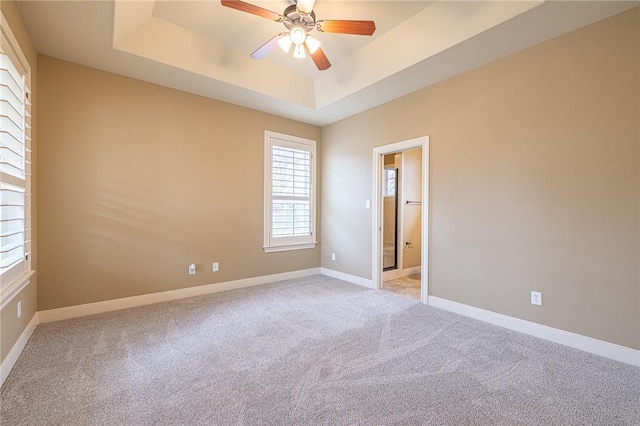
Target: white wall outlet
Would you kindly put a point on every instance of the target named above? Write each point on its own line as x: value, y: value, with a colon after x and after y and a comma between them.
x: 216, y: 267
x: 192, y: 269
x: 367, y: 204
x: 333, y: 256
x: 19, y: 308
x: 536, y: 298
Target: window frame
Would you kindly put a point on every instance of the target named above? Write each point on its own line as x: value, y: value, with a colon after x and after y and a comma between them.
x: 16, y: 278
x: 276, y: 244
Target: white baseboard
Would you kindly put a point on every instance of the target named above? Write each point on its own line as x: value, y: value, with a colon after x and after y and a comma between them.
x: 391, y: 275
x: 17, y: 349
x: 411, y: 271
x: 398, y: 273
x: 347, y: 277
x: 165, y: 296
x: 587, y: 344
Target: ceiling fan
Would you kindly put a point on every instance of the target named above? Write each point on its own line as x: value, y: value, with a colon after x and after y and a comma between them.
x: 300, y: 19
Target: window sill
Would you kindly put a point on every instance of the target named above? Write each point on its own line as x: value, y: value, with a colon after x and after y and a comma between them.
x: 13, y: 289
x: 271, y: 249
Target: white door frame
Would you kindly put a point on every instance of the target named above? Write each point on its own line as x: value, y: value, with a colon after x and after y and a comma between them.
x: 376, y: 231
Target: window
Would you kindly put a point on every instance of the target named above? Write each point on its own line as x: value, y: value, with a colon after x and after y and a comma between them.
x: 289, y: 207
x: 15, y: 166
x: 389, y: 185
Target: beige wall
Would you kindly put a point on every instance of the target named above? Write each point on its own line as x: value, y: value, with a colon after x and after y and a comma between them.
x: 534, y: 180
x: 12, y: 327
x: 137, y: 181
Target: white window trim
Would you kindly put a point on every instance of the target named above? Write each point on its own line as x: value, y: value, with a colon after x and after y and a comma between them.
x: 269, y: 245
x: 11, y: 47
x: 13, y: 289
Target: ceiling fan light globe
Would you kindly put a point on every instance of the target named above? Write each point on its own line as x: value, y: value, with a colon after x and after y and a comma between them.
x: 298, y: 51
x: 285, y: 43
x: 313, y: 44
x: 297, y: 35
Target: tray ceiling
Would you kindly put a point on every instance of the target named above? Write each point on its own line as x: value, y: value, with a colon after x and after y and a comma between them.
x: 203, y: 48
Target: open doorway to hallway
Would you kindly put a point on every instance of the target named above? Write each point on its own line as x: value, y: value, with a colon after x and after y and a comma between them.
x: 401, y: 193
x: 401, y: 217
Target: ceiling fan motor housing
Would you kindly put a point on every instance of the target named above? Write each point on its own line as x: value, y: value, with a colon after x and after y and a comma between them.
x: 292, y: 18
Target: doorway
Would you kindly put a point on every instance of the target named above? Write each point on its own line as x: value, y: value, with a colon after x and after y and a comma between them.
x: 390, y: 222
x: 400, y: 217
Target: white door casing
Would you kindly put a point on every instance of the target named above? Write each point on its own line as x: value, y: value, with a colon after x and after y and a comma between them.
x: 376, y: 232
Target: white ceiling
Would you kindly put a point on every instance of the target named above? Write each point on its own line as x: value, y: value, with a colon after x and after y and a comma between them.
x: 203, y: 48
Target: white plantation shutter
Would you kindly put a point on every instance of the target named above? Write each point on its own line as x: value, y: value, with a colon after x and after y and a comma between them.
x: 15, y: 161
x: 12, y: 236
x: 12, y: 119
x: 289, y: 192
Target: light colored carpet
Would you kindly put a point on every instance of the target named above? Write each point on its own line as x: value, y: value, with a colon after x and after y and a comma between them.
x: 304, y: 352
x: 409, y: 286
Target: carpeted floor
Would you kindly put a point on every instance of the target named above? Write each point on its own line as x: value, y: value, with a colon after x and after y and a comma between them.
x: 409, y: 286
x: 304, y: 352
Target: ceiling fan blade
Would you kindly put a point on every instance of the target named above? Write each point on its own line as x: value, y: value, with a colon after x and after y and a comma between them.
x: 266, y: 48
x: 305, y: 6
x: 250, y: 8
x: 319, y: 58
x: 347, y: 27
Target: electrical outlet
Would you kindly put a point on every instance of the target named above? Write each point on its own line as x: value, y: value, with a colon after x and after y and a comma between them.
x: 216, y: 267
x: 19, y: 308
x: 536, y: 298
x: 192, y: 269
x: 333, y: 256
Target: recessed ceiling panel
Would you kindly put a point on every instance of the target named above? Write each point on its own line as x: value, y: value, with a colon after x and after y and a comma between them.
x: 245, y: 32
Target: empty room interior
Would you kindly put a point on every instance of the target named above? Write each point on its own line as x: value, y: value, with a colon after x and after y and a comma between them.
x: 320, y: 212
